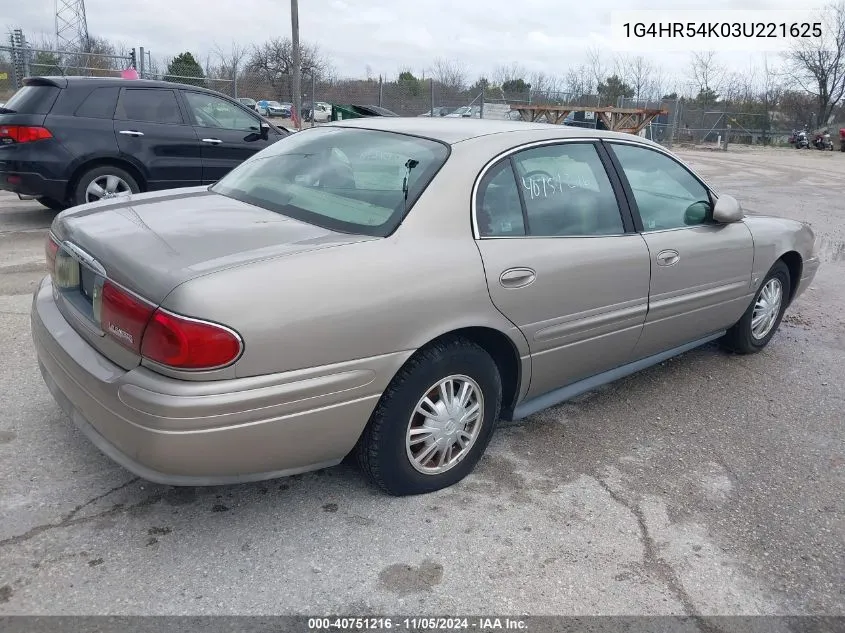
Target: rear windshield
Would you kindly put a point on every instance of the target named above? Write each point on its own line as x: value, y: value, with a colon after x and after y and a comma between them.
x: 348, y: 180
x: 33, y: 100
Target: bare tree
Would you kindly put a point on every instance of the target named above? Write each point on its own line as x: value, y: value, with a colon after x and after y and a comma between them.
x: 452, y: 74
x: 818, y: 64
x: 506, y: 73
x: 232, y: 59
x: 597, y: 65
x: 637, y: 73
x: 98, y: 58
x: 771, y: 91
x: 273, y: 62
x: 660, y: 85
x: 707, y: 74
x: 579, y: 83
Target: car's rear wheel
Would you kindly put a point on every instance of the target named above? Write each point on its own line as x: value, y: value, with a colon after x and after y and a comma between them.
x: 104, y: 182
x: 434, y: 420
x: 762, y: 318
x: 52, y: 203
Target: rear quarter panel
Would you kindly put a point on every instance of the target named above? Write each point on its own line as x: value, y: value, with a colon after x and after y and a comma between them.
x: 357, y: 301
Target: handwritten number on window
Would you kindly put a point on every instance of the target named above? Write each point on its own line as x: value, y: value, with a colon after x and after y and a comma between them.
x: 543, y: 187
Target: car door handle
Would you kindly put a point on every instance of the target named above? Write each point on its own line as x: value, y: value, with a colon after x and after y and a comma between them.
x: 213, y: 141
x: 668, y: 258
x: 517, y: 277
x: 131, y: 133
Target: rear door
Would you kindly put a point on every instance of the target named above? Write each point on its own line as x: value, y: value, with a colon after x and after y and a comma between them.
x: 228, y: 133
x: 700, y: 270
x: 150, y: 126
x: 562, y: 259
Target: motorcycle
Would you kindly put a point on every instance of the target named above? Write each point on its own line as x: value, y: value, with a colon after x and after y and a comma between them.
x: 842, y: 139
x: 800, y: 140
x: 822, y: 141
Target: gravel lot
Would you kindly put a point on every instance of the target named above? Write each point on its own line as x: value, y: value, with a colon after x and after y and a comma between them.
x: 712, y: 484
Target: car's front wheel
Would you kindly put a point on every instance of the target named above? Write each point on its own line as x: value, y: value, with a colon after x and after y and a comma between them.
x: 104, y: 182
x: 762, y: 318
x: 434, y: 420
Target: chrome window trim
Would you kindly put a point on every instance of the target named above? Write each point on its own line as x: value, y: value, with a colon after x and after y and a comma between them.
x: 690, y: 170
x: 662, y: 150
x: 506, y: 154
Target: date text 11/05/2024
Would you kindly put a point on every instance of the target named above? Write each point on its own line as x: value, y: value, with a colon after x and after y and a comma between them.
x: 481, y: 624
x: 726, y: 30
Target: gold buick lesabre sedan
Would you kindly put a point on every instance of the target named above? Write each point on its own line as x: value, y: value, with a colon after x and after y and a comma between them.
x: 392, y: 287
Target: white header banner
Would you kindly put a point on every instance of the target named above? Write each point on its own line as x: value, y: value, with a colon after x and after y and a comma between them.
x: 673, y: 30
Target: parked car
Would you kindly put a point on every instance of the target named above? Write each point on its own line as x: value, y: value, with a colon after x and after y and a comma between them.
x: 272, y: 108
x: 292, y: 313
x: 437, y: 111
x: 252, y: 104
x: 72, y: 140
x: 322, y: 112
x: 466, y: 112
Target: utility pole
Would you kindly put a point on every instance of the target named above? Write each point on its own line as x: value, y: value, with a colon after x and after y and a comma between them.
x: 297, y: 61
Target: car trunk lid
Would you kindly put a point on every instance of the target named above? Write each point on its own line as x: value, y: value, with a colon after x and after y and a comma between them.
x: 150, y: 243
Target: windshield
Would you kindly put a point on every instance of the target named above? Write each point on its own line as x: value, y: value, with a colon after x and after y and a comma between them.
x: 348, y: 180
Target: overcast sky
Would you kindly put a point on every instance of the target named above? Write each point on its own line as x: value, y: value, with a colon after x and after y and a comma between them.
x: 386, y: 35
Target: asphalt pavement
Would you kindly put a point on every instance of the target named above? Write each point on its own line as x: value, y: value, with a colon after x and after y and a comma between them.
x: 711, y: 484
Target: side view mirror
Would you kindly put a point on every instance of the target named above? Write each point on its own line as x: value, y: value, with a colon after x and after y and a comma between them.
x: 265, y: 130
x: 727, y: 210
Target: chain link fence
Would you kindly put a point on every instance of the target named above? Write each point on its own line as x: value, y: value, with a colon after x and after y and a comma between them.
x: 683, y: 122
x: 20, y: 60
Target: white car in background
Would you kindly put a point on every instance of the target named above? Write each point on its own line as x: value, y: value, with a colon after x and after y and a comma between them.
x: 466, y: 112
x: 322, y: 112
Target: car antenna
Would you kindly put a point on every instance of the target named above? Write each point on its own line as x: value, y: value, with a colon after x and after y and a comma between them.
x: 409, y: 165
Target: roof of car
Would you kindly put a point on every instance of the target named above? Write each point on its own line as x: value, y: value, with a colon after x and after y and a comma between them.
x: 455, y: 130
x: 64, y: 82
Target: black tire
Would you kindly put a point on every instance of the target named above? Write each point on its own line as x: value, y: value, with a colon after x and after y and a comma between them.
x: 52, y: 203
x: 740, y: 338
x: 79, y: 195
x: 382, y: 451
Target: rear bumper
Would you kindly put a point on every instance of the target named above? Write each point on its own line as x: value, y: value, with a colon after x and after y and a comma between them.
x: 32, y: 184
x: 187, y: 433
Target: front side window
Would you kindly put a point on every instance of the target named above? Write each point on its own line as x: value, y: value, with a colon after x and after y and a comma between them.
x: 567, y: 191
x: 213, y: 112
x: 151, y: 105
x: 667, y: 195
x: 349, y: 180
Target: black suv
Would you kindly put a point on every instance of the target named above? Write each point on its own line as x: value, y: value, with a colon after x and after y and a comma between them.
x: 71, y: 140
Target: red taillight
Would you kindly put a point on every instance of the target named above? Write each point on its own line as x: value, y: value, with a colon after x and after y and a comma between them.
x: 23, y: 133
x: 185, y: 343
x: 122, y: 316
x: 51, y: 248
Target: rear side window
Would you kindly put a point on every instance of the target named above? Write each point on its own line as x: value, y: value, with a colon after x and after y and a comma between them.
x: 148, y: 104
x: 499, y: 210
x: 100, y: 104
x: 567, y: 191
x: 33, y: 100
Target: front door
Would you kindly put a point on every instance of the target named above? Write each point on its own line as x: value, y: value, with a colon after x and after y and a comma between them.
x: 700, y: 270
x: 561, y: 263
x: 149, y: 126
x: 228, y: 133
